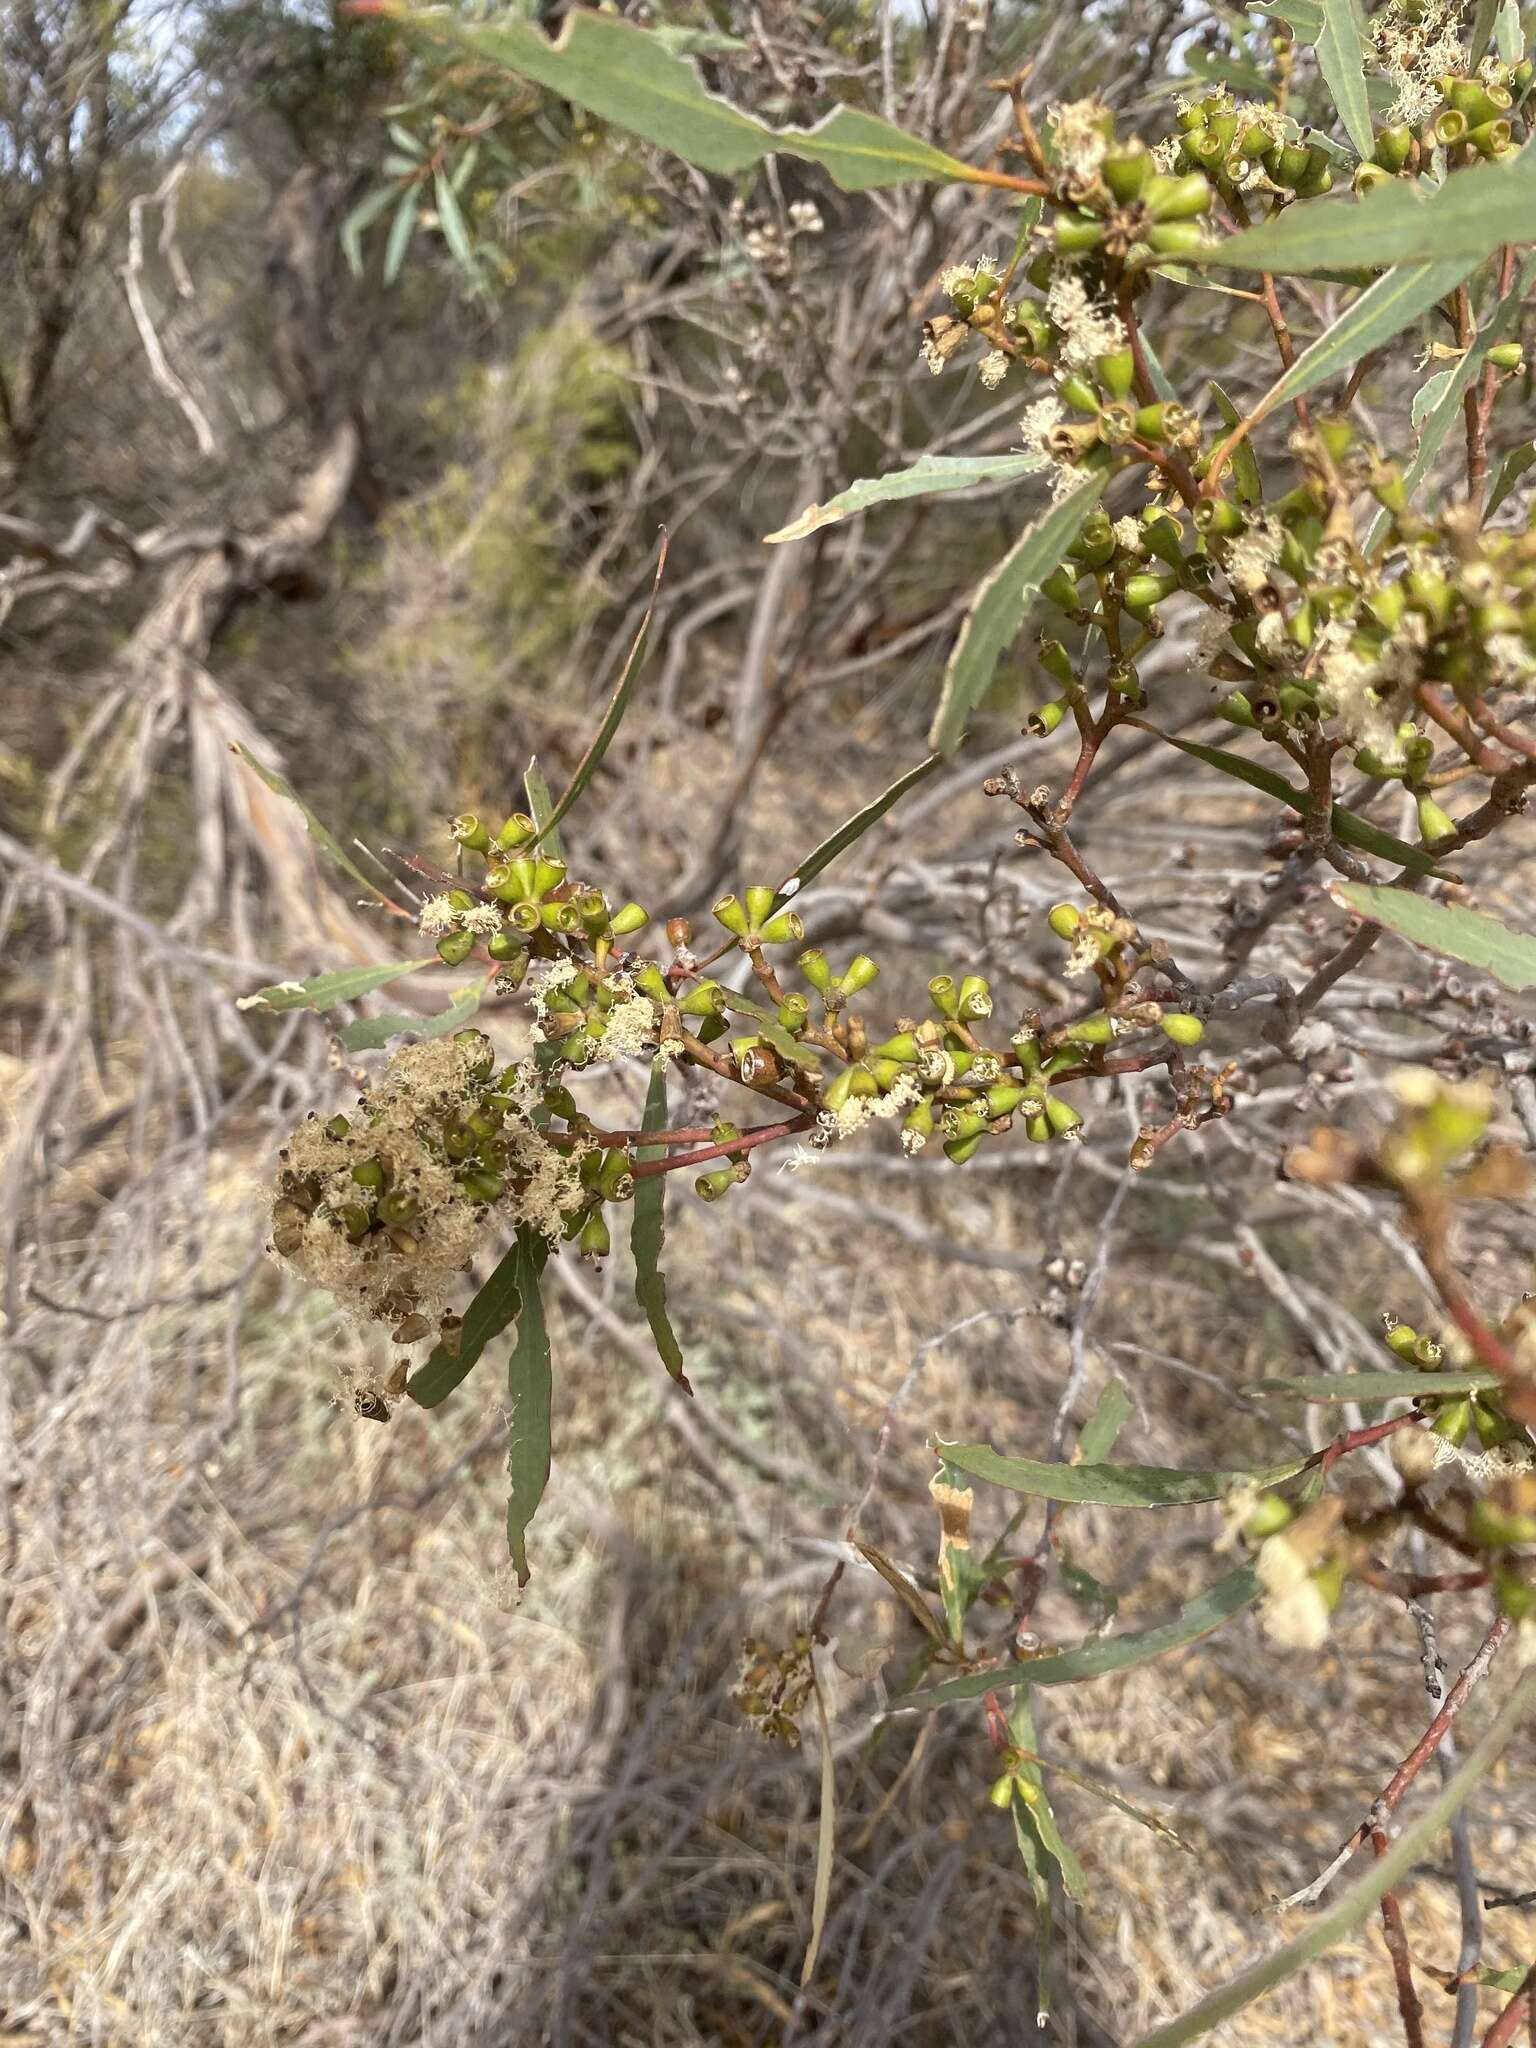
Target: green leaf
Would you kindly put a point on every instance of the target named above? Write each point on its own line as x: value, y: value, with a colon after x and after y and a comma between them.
x: 455, y: 230
x: 1349, y: 829
x: 1509, y: 32
x: 1351, y: 1908
x: 1511, y: 467
x: 647, y: 1228
x: 826, y: 1830
x: 1162, y: 384
x: 1118, y: 1486
x: 999, y: 606
x: 401, y: 229
x: 1040, y: 1892
x: 1470, y: 936
x: 1097, y: 1789
x: 1245, y: 464
x: 323, y: 991
x: 324, y: 839
x: 1448, y: 406
x: 1482, y: 29
x: 367, y: 1034
x: 1304, y: 16
x: 852, y: 829
x: 542, y: 806
x: 1382, y: 310
x: 625, y: 75
x: 530, y: 1391
x: 1465, y: 219
x: 1097, y: 1438
x: 404, y: 140
x: 928, y: 477
x: 1378, y: 1386
x: 768, y: 1026
x: 363, y: 215
x: 1341, y: 59
x: 1099, y: 1601
x: 493, y: 1308
x: 1429, y: 395
x: 1096, y: 1659
x: 618, y: 704
x: 1021, y: 1727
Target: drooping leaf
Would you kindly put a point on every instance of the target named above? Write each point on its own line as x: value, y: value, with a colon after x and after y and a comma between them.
x: 647, y: 1228
x: 1040, y: 1892
x: 1097, y: 1438
x: 1245, y: 464
x: 1511, y: 467
x: 541, y: 807
x: 999, y: 606
x: 1352, y: 1906
x: 530, y: 1393
x: 928, y: 477
x: 1382, y: 310
x: 367, y: 1034
x: 625, y: 75
x: 401, y: 229
x: 1096, y: 1659
x: 1341, y: 59
x: 324, y: 991
x: 495, y: 1306
x: 618, y: 704
x: 1471, y: 936
x: 903, y: 1588
x: 455, y: 229
x: 1428, y: 396
x: 1097, y: 1789
x: 1120, y: 1486
x: 324, y: 839
x: 1348, y: 828
x: 363, y: 215
x: 1036, y: 1802
x: 826, y: 1834
x: 1162, y: 384
x: 1468, y: 217
x: 1377, y: 1386
x: 852, y: 829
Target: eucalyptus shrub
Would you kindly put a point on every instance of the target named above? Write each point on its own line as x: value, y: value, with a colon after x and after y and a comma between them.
x: 1369, y: 636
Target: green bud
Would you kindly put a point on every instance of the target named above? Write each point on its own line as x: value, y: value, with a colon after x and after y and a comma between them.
x: 1126, y: 171
x: 1499, y: 1527
x: 1060, y: 587
x: 1076, y: 391
x: 369, y: 1173
x: 783, y: 930
x: 1403, y: 1339
x: 481, y: 1185
x: 1061, y: 1116
x: 1057, y: 663
x: 1181, y: 1027
x: 337, y: 1127
x: 468, y: 830
x: 1116, y: 372
x: 1176, y: 237
x: 816, y: 969
x: 1269, y: 1516
x: 707, y: 1000
x: 651, y: 982
x: 517, y: 831
x: 709, y: 1187
x: 1516, y: 1593
x: 629, y: 920
x: 975, y: 1000
x: 1064, y: 919
x: 1076, y: 234
x: 858, y: 974
x: 728, y: 911
x: 1145, y: 591
x: 398, y: 1208
x: 958, y: 1150
x: 1453, y: 1421
x: 1492, y: 1424
x: 355, y: 1220
x: 1394, y: 146
x: 1041, y: 723
x: 595, y: 1238
x: 942, y: 991
x: 902, y: 1047
x: 1435, y: 824
x: 1091, y: 1031
x: 453, y: 948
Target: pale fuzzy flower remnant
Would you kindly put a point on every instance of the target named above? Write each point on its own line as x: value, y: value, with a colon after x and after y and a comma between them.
x: 1347, y: 689
x: 859, y: 1110
x: 629, y: 1029
x: 994, y: 368
x: 1296, y: 1608
x: 484, y: 920
x: 1414, y: 48
x: 1035, y: 427
x: 1251, y: 557
x: 437, y: 916
x: 1077, y: 130
x: 1087, y: 328
x: 1130, y: 534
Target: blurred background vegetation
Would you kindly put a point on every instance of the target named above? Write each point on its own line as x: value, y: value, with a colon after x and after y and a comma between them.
x: 281, y: 1762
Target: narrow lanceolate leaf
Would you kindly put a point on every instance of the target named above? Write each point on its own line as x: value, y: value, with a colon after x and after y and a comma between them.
x: 493, y: 1308
x: 1348, y: 828
x: 1352, y: 1907
x: 1040, y: 1892
x: 323, y: 991
x: 367, y: 1034
x: 1097, y: 1789
x: 1378, y: 1386
x: 1385, y: 308
x: 851, y: 830
x: 324, y: 839
x: 766, y: 1025
x: 618, y: 704
x: 647, y: 1228
x: 1508, y: 472
x: 1096, y: 1659
x: 455, y: 230
x: 1304, y: 16
x: 362, y: 215
x: 1098, y: 1435
x: 1509, y: 32
x: 998, y: 610
x: 401, y: 229
x: 1469, y: 216
x: 1245, y: 465
x: 903, y: 1588
x: 1482, y: 29
x: 1341, y: 59
x: 628, y: 76
x: 1120, y: 1486
x: 826, y: 1832
x: 541, y: 806
x: 1034, y: 1799
x: 1470, y: 936
x: 928, y: 477
x: 530, y: 1391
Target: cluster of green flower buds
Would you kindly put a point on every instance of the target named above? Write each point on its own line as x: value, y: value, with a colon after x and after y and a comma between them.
x: 1109, y: 948
x: 1458, y: 1417
x: 756, y: 922
x: 525, y: 907
x: 1124, y: 208
x: 1240, y: 148
x: 1474, y: 119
